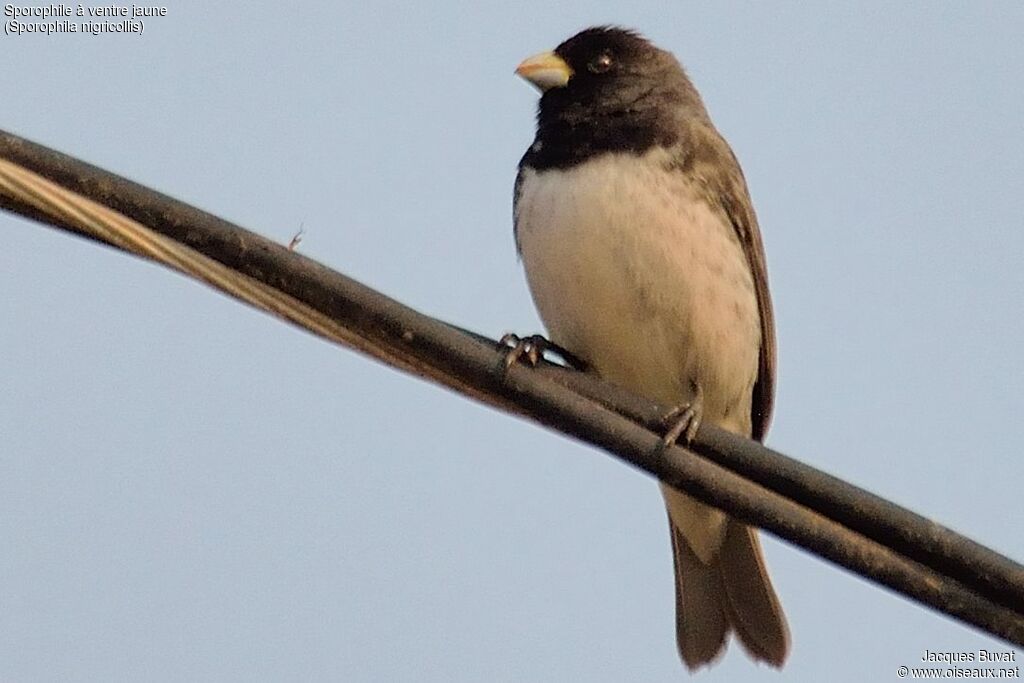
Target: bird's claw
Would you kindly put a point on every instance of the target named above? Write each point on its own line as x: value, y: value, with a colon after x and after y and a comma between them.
x: 684, y: 420
x: 534, y: 347
x: 530, y: 349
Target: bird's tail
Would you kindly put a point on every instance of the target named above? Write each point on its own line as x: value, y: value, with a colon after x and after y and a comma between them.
x: 729, y: 589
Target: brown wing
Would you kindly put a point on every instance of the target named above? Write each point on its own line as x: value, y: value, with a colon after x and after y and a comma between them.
x: 736, y: 202
x: 711, y: 159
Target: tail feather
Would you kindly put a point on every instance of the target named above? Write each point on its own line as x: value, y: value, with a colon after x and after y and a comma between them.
x: 749, y: 598
x: 701, y: 623
x: 731, y: 592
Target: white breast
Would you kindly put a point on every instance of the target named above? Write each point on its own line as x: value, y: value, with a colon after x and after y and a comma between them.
x: 635, y: 273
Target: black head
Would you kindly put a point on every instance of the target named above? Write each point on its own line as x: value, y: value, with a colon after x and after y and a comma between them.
x: 607, y: 89
x: 612, y: 67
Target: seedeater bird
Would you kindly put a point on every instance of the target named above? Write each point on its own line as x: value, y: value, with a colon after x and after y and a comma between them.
x: 644, y: 258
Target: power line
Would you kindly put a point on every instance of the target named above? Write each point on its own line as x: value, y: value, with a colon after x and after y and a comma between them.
x: 837, y: 521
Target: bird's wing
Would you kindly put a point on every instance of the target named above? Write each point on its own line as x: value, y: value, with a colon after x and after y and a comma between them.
x: 716, y: 165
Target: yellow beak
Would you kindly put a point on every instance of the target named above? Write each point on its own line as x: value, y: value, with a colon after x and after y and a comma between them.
x: 545, y: 71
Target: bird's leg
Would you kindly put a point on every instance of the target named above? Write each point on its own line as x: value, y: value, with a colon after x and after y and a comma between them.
x: 684, y: 419
x: 532, y: 349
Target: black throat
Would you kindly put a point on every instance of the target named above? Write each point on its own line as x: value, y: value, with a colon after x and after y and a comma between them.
x: 570, y: 132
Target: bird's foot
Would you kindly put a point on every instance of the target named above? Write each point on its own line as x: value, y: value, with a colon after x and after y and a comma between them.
x: 532, y: 349
x: 684, y: 420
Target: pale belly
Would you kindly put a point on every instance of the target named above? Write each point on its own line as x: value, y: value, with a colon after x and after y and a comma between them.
x: 645, y: 282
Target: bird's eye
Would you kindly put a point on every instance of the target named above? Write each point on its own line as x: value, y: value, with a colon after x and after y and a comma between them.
x: 602, y: 62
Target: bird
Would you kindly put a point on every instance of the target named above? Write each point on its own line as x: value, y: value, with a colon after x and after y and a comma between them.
x: 644, y: 259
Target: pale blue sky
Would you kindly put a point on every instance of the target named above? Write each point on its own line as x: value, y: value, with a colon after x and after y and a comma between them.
x: 190, y: 490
